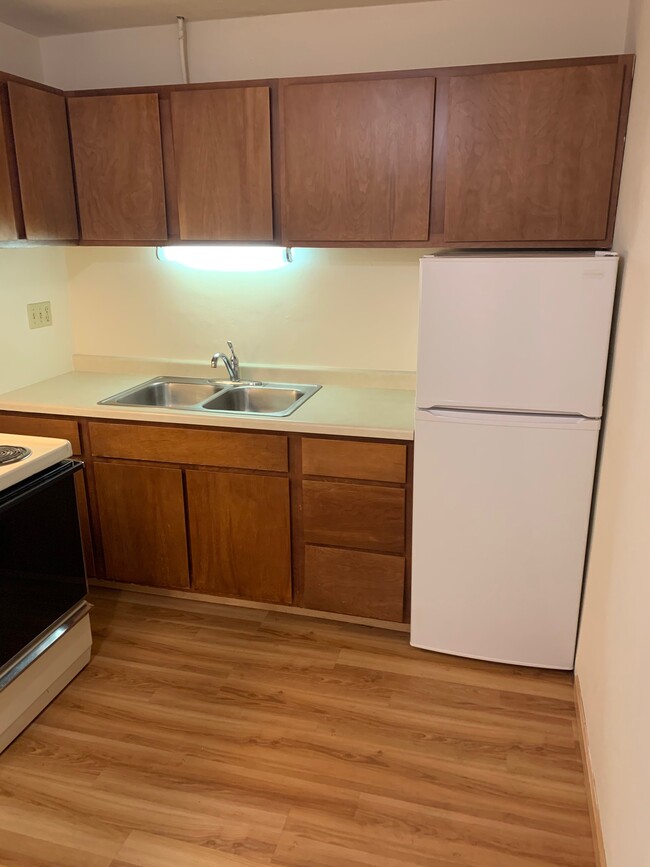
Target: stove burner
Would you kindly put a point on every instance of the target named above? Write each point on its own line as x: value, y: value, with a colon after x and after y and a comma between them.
x: 13, y: 454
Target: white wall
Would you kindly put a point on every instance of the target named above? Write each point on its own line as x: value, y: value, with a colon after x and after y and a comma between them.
x: 20, y: 53
x: 613, y: 661
x: 34, y: 274
x: 354, y: 309
x: 439, y: 33
x: 27, y: 356
x: 332, y: 308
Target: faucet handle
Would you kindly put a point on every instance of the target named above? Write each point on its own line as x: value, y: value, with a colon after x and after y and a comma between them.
x: 234, y: 361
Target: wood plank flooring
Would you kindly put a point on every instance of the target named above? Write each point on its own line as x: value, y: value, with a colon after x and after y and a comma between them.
x: 204, y: 735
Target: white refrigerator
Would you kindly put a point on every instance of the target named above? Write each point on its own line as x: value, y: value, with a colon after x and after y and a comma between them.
x: 512, y: 357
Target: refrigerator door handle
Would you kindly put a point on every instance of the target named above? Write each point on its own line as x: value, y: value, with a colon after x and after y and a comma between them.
x: 507, y: 419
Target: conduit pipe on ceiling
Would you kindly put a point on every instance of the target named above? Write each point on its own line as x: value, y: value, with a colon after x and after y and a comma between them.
x: 182, y: 44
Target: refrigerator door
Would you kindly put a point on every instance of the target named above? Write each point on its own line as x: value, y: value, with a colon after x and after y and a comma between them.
x: 520, y: 333
x: 501, y: 513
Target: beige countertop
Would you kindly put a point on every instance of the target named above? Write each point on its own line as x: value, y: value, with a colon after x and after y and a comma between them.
x: 337, y: 410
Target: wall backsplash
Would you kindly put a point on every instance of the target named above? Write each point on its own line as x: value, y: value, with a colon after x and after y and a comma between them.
x: 353, y: 309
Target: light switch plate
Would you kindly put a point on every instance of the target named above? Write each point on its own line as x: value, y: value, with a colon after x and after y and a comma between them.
x: 39, y: 315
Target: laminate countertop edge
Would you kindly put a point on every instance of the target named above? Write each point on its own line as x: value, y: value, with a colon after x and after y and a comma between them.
x: 335, y: 410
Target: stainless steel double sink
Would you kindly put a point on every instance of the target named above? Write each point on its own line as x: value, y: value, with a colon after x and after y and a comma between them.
x: 207, y: 395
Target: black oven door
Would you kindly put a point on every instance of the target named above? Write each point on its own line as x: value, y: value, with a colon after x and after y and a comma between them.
x: 42, y: 572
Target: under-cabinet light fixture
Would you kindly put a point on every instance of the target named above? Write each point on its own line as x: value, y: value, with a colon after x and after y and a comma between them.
x: 218, y: 258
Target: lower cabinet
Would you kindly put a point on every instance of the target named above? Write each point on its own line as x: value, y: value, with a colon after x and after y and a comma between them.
x: 354, y: 527
x: 240, y: 535
x: 141, y: 513
x: 219, y: 512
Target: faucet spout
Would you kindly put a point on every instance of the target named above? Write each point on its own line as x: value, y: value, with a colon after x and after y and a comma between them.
x: 230, y: 363
x: 226, y: 362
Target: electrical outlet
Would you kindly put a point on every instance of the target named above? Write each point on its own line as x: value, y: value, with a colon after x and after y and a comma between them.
x: 39, y: 315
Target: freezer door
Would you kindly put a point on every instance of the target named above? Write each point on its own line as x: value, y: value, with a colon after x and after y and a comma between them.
x: 501, y: 513
x: 527, y: 334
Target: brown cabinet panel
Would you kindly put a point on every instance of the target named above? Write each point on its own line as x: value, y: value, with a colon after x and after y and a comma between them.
x: 42, y: 143
x: 211, y: 448
x: 222, y: 149
x: 240, y: 535
x: 347, y: 459
x: 11, y: 224
x: 142, y: 519
x: 354, y: 582
x: 354, y: 516
x: 59, y: 428
x: 117, y: 151
x: 358, y: 159
x: 531, y: 153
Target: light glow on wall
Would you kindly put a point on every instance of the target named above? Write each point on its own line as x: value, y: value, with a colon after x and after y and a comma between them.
x: 220, y: 258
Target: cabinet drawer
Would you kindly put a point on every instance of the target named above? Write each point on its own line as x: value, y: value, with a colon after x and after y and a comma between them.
x: 347, y: 459
x: 211, y: 448
x: 354, y: 582
x: 59, y: 428
x: 354, y: 516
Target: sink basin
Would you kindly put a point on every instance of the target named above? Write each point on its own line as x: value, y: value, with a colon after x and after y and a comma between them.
x: 167, y: 392
x: 206, y: 395
x: 261, y: 400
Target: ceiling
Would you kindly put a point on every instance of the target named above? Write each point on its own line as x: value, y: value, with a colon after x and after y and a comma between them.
x: 53, y: 17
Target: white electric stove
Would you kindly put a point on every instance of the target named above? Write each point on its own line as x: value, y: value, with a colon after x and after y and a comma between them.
x: 22, y: 457
x: 45, y: 635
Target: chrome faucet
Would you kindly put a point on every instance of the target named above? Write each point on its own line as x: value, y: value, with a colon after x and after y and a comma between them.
x: 231, y: 364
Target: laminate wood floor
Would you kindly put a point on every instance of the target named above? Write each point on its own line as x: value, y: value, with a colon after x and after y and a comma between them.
x: 204, y: 735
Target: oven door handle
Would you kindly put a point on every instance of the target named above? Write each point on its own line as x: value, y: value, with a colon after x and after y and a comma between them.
x: 33, y: 485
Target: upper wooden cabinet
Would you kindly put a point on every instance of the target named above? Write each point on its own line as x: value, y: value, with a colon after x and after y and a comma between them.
x: 222, y: 154
x: 118, y: 165
x: 11, y: 222
x: 357, y: 160
x: 512, y: 155
x: 40, y: 130
x: 531, y: 154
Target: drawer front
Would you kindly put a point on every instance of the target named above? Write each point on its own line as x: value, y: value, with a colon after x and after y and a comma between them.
x: 347, y: 459
x: 59, y: 428
x: 354, y: 582
x: 354, y: 516
x: 211, y: 448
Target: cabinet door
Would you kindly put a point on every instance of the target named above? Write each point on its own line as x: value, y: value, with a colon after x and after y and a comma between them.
x: 11, y: 224
x: 40, y: 128
x: 531, y: 154
x: 222, y: 151
x: 240, y: 535
x: 142, y: 518
x: 117, y: 152
x: 358, y: 160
